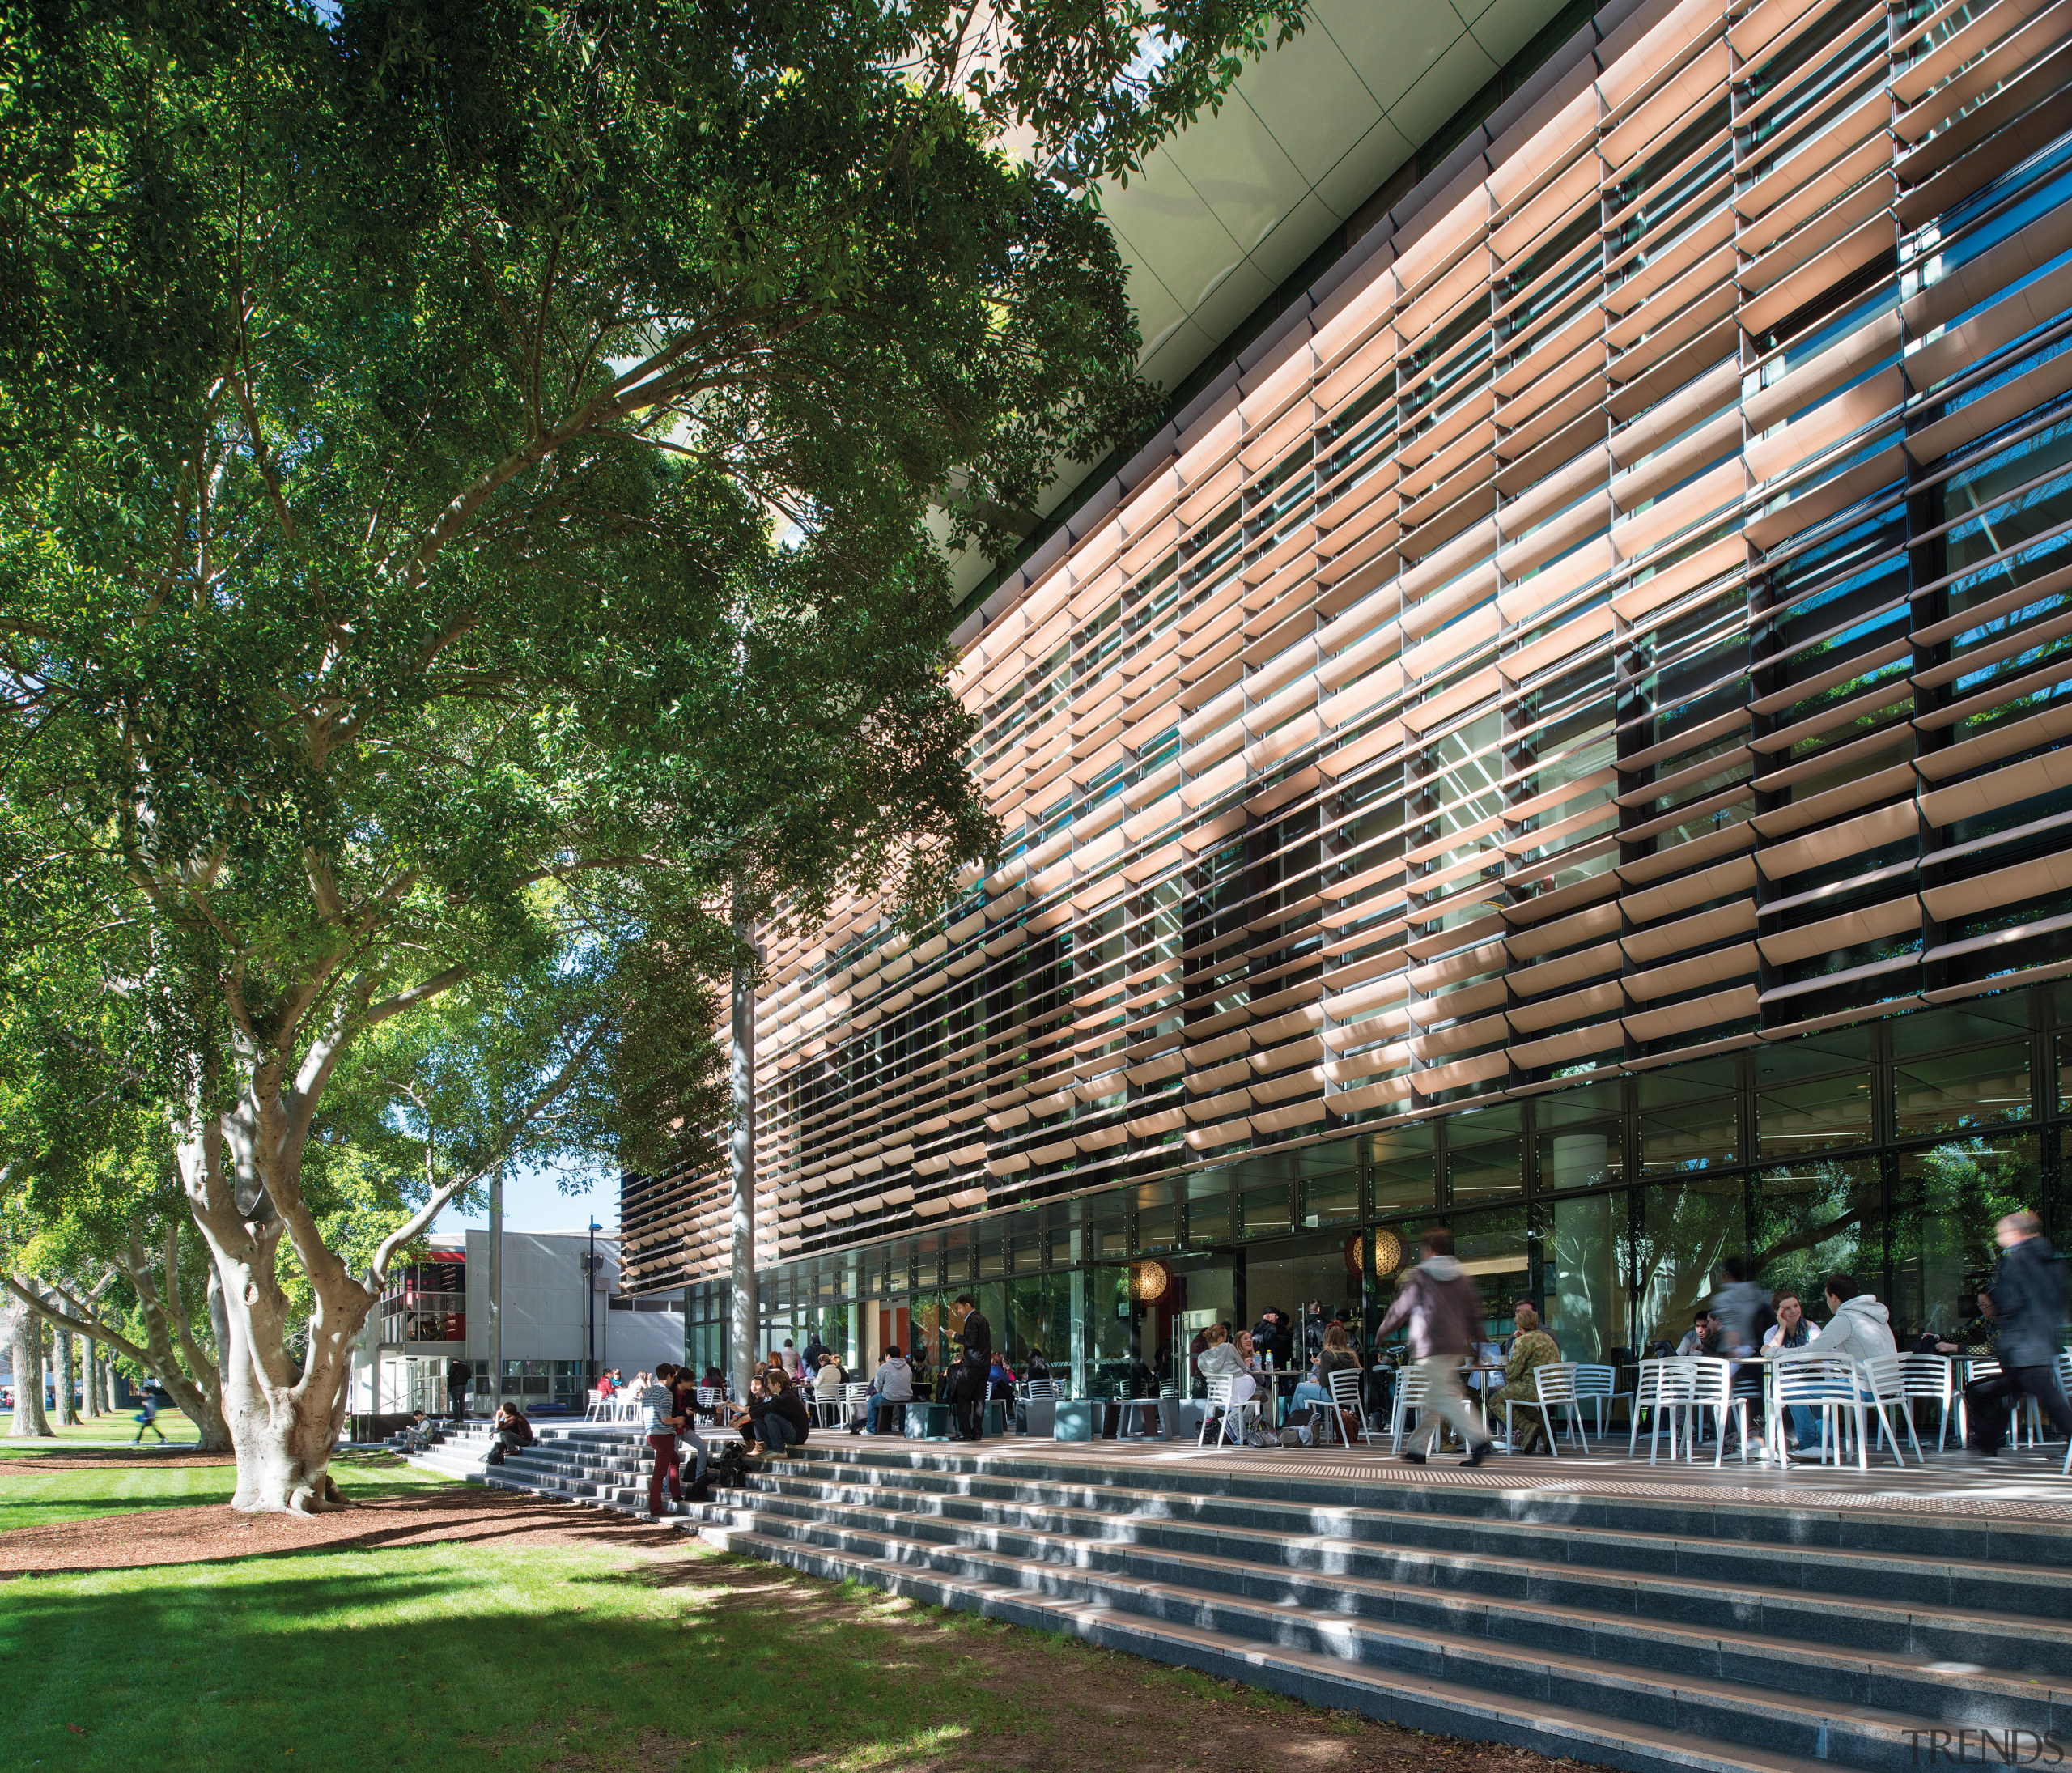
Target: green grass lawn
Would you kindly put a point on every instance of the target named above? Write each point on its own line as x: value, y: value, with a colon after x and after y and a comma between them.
x: 29, y: 1497
x: 557, y: 1657
x: 96, y: 1431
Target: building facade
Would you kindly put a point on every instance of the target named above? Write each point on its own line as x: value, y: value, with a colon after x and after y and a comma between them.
x: 427, y: 1344
x: 1566, y: 734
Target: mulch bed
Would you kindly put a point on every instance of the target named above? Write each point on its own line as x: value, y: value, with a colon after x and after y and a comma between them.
x: 205, y: 1533
x: 105, y: 1458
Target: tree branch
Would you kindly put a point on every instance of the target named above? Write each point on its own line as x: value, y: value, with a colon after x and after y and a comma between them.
x: 23, y: 1287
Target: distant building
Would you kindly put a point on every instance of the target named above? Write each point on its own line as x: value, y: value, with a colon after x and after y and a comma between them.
x: 430, y: 1336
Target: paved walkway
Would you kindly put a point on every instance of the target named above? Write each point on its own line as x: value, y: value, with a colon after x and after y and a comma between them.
x: 2023, y: 1486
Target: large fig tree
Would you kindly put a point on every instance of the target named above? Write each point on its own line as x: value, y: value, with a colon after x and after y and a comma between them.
x: 466, y: 476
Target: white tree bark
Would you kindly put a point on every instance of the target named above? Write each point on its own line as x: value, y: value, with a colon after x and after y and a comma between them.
x: 91, y: 1387
x: 26, y: 1337
x: 64, y: 1368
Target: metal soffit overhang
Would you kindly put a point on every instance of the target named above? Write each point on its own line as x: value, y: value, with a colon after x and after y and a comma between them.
x: 1225, y: 213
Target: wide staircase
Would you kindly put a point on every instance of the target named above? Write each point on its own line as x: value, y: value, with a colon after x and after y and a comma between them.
x: 1621, y: 1631
x: 1626, y: 1632
x: 605, y: 1466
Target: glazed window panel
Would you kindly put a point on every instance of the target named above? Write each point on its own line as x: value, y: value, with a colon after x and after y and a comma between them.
x: 1485, y: 1155
x: 1820, y: 1217
x: 1587, y: 1260
x: 1265, y: 1211
x: 1946, y: 1205
x: 1804, y: 1104
x: 1208, y: 1208
x: 1404, y: 1168
x: 1947, y: 1092
x: 1157, y: 1219
x: 1686, y: 1230
x: 1689, y: 1116
x: 1495, y: 1250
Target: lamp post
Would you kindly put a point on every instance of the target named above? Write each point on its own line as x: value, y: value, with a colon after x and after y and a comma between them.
x: 590, y: 1304
x: 495, y: 1289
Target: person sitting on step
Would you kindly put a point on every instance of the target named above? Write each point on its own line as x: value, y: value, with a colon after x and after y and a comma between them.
x: 777, y: 1419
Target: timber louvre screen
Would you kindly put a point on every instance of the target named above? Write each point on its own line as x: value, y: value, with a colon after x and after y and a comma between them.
x: 1630, y: 622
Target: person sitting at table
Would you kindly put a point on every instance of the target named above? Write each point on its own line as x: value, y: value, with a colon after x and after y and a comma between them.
x: 1531, y: 1349
x: 1036, y: 1366
x: 1271, y: 1337
x: 1001, y: 1380
x: 1247, y: 1351
x: 1221, y: 1360
x: 827, y: 1382
x: 1793, y: 1329
x: 1702, y: 1337
x: 1337, y: 1355
x: 893, y: 1383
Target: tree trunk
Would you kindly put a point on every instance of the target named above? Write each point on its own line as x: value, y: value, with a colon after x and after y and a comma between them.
x: 28, y: 1340
x: 91, y: 1388
x: 63, y: 1368
x: 281, y: 1423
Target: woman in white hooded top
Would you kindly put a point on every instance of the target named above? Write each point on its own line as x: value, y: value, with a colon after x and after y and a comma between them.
x: 1220, y: 1360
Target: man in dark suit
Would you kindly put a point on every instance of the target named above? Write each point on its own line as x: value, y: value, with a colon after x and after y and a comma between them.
x: 978, y: 1339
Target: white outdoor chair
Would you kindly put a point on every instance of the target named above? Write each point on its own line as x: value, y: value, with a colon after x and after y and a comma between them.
x: 1597, y: 1383
x: 854, y: 1395
x: 1666, y: 1389
x: 2018, y: 1409
x: 1345, y: 1395
x: 2065, y: 1386
x: 1828, y: 1383
x: 1555, y: 1384
x: 595, y: 1409
x: 1884, y: 1381
x: 1932, y: 1377
x: 1219, y: 1400
x: 1411, y: 1386
x: 1712, y: 1388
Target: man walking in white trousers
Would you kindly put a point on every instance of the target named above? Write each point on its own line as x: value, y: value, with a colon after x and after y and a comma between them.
x: 1444, y: 1311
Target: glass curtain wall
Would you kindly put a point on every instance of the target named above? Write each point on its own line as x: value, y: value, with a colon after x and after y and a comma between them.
x: 1888, y: 1151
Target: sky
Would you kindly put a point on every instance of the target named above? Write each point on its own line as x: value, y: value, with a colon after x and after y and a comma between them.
x: 533, y: 1202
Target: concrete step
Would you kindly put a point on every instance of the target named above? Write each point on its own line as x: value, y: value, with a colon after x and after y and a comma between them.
x: 1864, y: 1569
x: 1731, y: 1680
x: 1419, y: 1701
x: 1979, y: 1538
x: 1344, y: 1575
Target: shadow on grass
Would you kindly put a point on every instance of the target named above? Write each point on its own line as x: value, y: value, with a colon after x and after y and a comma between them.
x: 453, y: 1657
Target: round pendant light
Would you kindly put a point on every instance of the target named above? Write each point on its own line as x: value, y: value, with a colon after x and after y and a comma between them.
x: 1149, y: 1281
x: 1388, y: 1253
